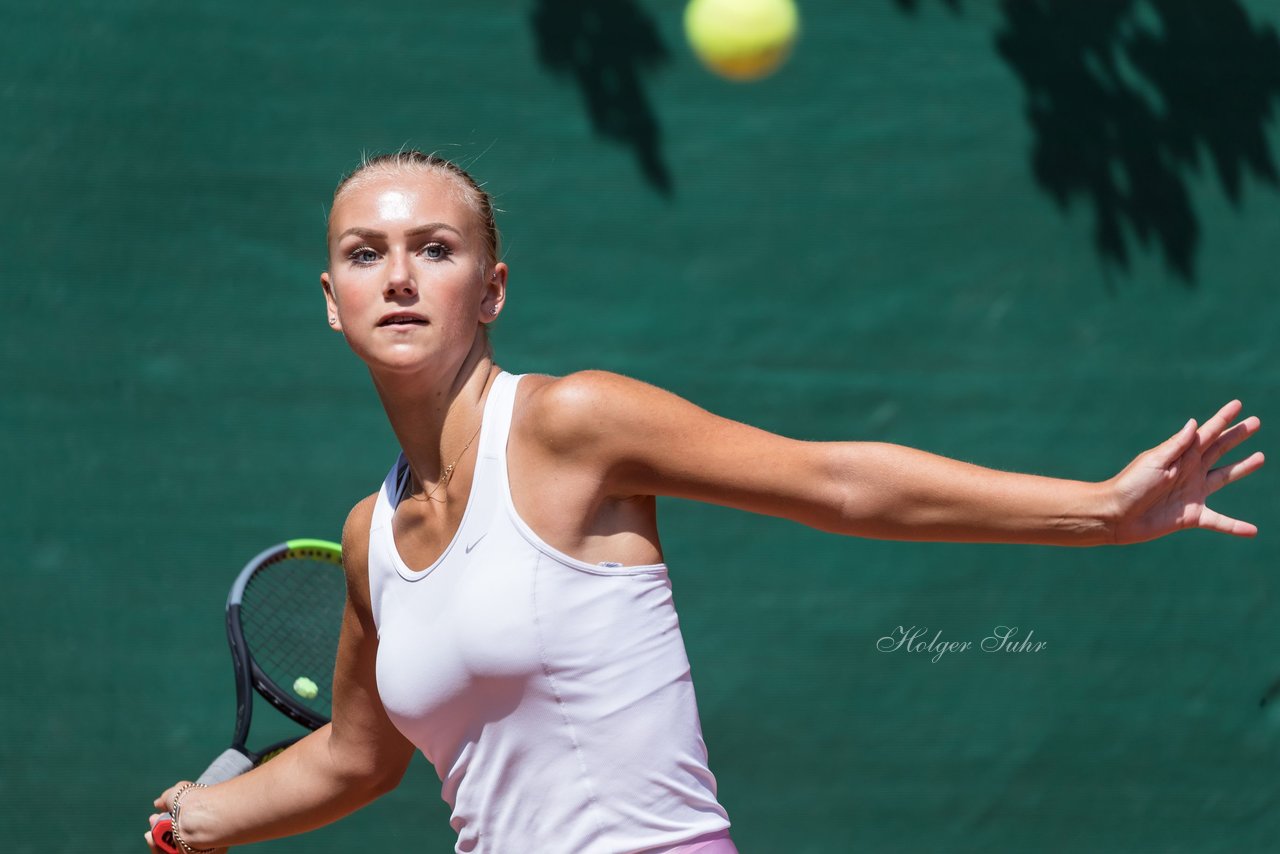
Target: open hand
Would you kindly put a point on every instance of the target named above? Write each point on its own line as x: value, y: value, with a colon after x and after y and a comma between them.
x: 1164, y: 489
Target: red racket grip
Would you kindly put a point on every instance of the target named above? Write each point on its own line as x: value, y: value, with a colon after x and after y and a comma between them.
x: 162, y: 836
x: 230, y: 763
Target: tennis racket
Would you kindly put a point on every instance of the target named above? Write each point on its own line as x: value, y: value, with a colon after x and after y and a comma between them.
x: 284, y: 614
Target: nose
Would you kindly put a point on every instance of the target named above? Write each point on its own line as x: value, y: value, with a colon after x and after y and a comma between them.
x: 400, y: 276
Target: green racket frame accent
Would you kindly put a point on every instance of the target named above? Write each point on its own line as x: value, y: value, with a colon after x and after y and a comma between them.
x: 318, y: 549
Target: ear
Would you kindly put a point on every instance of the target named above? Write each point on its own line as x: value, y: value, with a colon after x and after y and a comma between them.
x: 495, y: 293
x: 331, y: 302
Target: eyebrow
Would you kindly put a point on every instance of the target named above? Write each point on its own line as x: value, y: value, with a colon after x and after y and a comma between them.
x: 371, y: 234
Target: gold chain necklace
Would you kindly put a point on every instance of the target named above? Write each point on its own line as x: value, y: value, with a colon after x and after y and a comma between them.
x: 447, y: 474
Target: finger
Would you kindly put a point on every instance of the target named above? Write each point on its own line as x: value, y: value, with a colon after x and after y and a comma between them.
x: 1214, y: 521
x: 1212, y: 428
x: 162, y: 802
x: 1228, y: 440
x: 1222, y: 475
x: 1168, y: 451
x: 150, y: 835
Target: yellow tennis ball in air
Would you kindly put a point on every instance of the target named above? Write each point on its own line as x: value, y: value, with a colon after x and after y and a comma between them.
x: 305, y: 688
x: 741, y: 39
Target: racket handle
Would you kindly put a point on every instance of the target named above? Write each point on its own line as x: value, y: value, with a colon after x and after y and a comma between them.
x: 232, y: 763
x: 162, y: 836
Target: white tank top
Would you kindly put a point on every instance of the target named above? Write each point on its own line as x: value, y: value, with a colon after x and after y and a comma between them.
x: 553, y: 696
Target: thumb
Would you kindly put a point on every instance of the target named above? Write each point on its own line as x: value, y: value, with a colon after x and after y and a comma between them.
x: 1168, y: 451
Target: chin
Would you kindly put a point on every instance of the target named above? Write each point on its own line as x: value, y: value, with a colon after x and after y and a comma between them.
x: 401, y: 366
x: 398, y: 360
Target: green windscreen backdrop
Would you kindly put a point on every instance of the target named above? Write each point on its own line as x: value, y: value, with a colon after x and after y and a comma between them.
x: 1037, y: 235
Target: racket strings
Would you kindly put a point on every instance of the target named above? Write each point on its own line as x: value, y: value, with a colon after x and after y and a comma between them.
x: 293, y: 638
x: 291, y: 616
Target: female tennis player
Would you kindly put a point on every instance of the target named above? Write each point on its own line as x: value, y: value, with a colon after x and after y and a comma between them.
x: 508, y: 610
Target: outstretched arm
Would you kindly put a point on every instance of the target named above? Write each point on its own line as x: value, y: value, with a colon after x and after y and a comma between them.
x: 644, y: 441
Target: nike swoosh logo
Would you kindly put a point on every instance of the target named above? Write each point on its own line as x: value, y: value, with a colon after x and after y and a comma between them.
x: 477, y: 542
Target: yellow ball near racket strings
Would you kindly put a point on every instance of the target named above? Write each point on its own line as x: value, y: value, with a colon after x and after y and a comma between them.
x: 742, y: 39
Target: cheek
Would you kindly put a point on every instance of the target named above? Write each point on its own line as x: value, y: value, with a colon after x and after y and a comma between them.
x: 463, y: 311
x: 455, y: 292
x: 352, y: 283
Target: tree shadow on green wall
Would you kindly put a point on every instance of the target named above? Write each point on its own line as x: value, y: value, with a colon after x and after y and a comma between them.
x: 605, y: 46
x: 1128, y: 98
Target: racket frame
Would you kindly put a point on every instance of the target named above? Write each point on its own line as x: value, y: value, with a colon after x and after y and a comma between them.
x: 248, y: 674
x: 250, y: 677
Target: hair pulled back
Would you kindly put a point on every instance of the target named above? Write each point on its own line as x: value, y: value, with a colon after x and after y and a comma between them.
x: 469, y: 190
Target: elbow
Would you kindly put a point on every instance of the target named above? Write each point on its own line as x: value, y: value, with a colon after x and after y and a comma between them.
x: 386, y: 779
x: 857, y: 500
x: 857, y: 512
x: 376, y: 778
x: 371, y: 772
x: 839, y: 504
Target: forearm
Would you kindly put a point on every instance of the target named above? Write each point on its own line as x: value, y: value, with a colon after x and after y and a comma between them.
x: 894, y: 492
x: 301, y: 789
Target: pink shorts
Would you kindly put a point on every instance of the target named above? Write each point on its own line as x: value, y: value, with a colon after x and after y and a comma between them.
x: 713, y: 843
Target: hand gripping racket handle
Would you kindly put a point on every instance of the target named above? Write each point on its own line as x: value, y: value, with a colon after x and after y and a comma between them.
x: 232, y: 763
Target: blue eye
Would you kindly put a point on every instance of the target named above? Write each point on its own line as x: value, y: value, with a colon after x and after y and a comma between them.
x: 436, y: 251
x: 363, y: 255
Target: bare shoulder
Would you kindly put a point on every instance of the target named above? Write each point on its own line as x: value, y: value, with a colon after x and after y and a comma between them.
x: 355, y: 548
x: 571, y: 412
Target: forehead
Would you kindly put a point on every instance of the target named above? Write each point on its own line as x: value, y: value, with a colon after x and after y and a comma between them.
x: 389, y: 199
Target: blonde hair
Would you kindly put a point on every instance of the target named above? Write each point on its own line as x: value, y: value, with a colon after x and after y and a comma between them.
x: 470, y: 191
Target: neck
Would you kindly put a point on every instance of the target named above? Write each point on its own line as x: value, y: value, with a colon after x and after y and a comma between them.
x: 433, y: 416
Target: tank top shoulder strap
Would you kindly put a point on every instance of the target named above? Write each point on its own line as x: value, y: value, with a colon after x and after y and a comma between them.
x: 382, y: 570
x: 497, y: 426
x: 393, y: 487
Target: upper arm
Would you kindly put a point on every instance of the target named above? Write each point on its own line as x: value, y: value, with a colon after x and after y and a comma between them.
x: 645, y: 441
x: 363, y: 738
